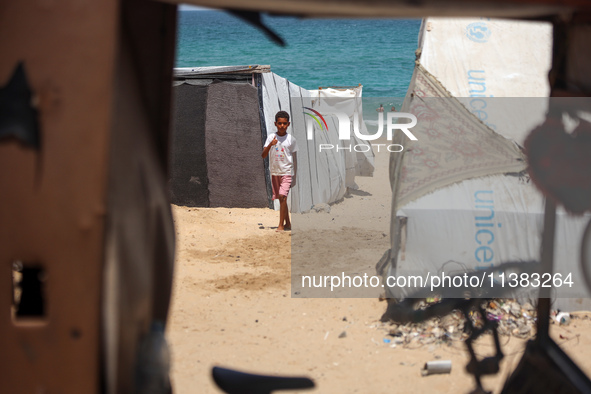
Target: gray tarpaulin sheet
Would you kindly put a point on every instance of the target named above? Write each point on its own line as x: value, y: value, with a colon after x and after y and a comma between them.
x: 233, y: 147
x: 188, y: 182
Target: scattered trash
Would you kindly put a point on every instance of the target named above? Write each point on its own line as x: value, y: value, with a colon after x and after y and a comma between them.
x: 326, y: 335
x: 343, y: 334
x: 386, y: 340
x: 490, y: 316
x: 512, y: 318
x: 436, y: 367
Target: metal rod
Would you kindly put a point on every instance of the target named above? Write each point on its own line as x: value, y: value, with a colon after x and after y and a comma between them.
x: 547, y: 262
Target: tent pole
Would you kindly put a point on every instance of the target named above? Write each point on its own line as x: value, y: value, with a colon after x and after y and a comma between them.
x: 547, y: 261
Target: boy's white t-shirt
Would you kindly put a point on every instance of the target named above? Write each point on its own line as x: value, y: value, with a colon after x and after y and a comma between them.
x: 281, y: 155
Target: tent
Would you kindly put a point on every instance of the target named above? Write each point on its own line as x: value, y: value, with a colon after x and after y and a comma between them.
x: 461, y: 188
x: 222, y: 117
x: 217, y: 138
x: 347, y: 99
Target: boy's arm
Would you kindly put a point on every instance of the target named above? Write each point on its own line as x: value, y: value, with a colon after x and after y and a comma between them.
x: 268, y: 147
x: 266, y: 151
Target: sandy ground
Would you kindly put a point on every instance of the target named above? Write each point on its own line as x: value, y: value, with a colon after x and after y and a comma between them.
x: 234, y: 306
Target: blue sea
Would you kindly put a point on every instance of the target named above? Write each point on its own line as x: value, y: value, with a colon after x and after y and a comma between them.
x: 379, y: 54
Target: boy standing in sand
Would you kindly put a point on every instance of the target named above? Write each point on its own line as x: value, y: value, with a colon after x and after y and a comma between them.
x: 283, y: 159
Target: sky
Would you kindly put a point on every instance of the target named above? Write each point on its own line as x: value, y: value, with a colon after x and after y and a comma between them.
x: 185, y: 7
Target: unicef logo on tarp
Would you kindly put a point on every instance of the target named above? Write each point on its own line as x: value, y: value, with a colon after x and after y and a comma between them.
x: 478, y: 32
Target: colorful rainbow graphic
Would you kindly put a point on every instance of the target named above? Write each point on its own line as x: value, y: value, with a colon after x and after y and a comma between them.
x: 325, y: 127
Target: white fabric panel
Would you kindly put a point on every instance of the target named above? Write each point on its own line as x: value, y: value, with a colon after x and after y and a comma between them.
x: 365, y: 160
x: 270, y: 103
x: 336, y: 163
x: 350, y: 165
x: 348, y: 101
x: 488, y: 57
x: 330, y: 166
x: 312, y: 160
x: 513, y: 118
x: 336, y: 100
x: 443, y: 227
x: 446, y: 218
x: 282, y: 87
x: 302, y: 192
x: 275, y: 98
x: 484, y: 58
x: 341, y: 101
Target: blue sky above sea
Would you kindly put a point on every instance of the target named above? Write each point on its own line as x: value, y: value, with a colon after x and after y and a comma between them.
x: 379, y: 54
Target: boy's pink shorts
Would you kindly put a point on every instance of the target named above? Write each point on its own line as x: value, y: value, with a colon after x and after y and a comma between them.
x: 281, y: 185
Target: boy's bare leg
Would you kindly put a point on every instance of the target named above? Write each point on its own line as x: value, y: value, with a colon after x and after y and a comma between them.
x: 287, y: 225
x: 282, y: 212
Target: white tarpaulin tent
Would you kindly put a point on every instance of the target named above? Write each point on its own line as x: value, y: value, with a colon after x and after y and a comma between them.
x: 323, y: 177
x: 320, y: 178
x: 347, y: 100
x: 450, y: 212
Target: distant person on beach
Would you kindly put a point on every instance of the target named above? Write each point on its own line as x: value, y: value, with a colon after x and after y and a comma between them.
x: 381, y: 109
x: 393, y: 109
x: 283, y: 163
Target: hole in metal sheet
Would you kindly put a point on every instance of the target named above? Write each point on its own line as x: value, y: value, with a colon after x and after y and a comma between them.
x: 28, y: 290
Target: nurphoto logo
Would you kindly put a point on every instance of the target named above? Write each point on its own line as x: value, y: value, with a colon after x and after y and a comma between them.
x: 346, y: 124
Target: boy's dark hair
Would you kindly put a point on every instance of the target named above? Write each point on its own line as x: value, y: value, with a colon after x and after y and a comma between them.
x: 281, y: 114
